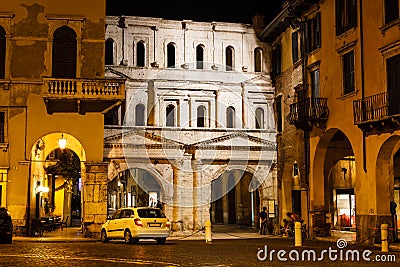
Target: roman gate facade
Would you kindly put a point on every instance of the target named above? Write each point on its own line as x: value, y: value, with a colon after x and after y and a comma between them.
x: 197, y: 131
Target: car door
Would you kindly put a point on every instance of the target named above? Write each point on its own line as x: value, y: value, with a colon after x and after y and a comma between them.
x: 112, y: 225
x: 122, y: 223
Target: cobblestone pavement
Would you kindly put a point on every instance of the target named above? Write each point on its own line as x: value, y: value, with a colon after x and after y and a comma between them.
x: 226, y: 249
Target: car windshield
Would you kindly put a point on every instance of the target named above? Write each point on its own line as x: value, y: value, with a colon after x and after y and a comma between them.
x: 150, y: 213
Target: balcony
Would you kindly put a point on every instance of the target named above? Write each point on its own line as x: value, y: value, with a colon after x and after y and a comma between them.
x: 82, y: 95
x: 308, y: 113
x: 377, y: 114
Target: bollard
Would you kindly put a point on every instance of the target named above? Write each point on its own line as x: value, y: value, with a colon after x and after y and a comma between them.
x: 297, y: 234
x: 384, y: 237
x: 207, y: 229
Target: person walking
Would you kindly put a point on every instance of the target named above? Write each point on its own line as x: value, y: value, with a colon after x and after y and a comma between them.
x: 263, y: 221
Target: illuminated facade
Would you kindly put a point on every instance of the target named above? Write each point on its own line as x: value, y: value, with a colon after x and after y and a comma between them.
x: 51, y: 86
x: 197, y: 131
x: 336, y: 73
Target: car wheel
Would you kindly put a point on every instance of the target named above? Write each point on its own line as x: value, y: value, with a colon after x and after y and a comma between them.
x: 161, y: 240
x: 128, y: 237
x: 104, y: 237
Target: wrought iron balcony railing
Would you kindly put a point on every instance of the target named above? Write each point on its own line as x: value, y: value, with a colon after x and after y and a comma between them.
x: 82, y: 95
x: 308, y: 112
x: 377, y: 113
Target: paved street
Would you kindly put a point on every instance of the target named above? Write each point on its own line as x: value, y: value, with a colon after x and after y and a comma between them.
x: 177, y: 252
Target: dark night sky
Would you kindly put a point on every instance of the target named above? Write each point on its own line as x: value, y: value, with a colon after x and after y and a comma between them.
x: 201, y: 11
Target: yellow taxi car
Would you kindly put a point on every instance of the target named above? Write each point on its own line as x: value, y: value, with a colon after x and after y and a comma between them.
x: 135, y: 223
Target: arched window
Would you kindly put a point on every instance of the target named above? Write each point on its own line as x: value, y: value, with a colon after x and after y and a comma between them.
x: 230, y: 117
x: 170, y: 55
x: 199, y: 57
x: 140, y: 54
x: 170, y: 112
x: 229, y: 54
x: 139, y: 115
x: 64, y: 53
x: 257, y: 59
x: 109, y: 60
x: 201, y: 116
x: 259, y: 118
x: 2, y: 53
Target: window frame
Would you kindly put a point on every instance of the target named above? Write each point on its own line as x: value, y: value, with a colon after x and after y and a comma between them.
x: 345, y: 15
x: 313, y: 33
x: 171, y: 55
x: 230, y: 117
x: 348, y: 71
x: 141, y: 55
x: 258, y: 55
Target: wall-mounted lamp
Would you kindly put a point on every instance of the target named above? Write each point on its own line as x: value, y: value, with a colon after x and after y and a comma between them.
x: 296, y: 177
x: 41, y: 189
x: 62, y: 142
x: 344, y: 170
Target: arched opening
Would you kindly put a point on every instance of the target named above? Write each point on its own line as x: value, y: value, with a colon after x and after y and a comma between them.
x: 140, y: 54
x: 338, y: 178
x: 259, y: 118
x: 171, y: 55
x: 232, y: 201
x: 2, y: 53
x: 199, y: 57
x: 64, y: 182
x: 170, y: 116
x: 257, y: 59
x: 229, y: 58
x: 109, y: 57
x: 230, y: 117
x: 139, y: 115
x: 133, y: 187
x: 201, y: 116
x: 55, y: 182
x: 64, y: 53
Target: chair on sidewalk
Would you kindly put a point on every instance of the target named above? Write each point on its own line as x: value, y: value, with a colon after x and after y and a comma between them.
x: 64, y: 222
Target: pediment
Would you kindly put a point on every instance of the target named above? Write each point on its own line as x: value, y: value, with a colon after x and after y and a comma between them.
x: 111, y: 73
x: 259, y: 80
x: 140, y: 137
x: 237, y: 140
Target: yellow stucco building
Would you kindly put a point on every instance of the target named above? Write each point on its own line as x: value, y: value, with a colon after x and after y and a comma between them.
x: 51, y: 86
x: 336, y: 67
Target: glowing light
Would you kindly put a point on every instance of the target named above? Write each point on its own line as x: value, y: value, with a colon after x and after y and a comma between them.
x: 62, y: 142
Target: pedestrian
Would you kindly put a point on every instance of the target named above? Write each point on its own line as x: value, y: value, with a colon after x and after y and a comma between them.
x: 292, y: 219
x: 263, y: 221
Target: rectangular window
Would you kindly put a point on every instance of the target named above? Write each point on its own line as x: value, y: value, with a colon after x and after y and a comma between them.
x: 346, y: 15
x: 278, y: 107
x: 313, y: 33
x: 2, y: 127
x: 295, y: 47
x: 391, y: 10
x: 276, y: 61
x: 348, y: 72
x: 315, y: 83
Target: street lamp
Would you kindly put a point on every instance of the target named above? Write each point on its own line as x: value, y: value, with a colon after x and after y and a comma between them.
x: 62, y: 142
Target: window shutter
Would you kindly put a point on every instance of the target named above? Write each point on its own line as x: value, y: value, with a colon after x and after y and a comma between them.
x: 318, y: 30
x: 339, y: 16
x: 295, y: 47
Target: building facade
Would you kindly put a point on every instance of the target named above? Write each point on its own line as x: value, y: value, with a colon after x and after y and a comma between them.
x: 336, y: 73
x: 197, y: 130
x: 52, y: 87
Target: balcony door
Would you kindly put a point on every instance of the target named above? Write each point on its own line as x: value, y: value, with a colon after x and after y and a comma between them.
x: 393, y: 84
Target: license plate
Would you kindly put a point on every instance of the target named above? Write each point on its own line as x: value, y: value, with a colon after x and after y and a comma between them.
x: 154, y: 224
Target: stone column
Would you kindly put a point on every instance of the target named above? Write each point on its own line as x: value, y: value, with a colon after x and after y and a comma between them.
x: 176, y: 212
x: 197, y: 203
x: 244, y: 106
x: 225, y: 199
x: 94, y: 206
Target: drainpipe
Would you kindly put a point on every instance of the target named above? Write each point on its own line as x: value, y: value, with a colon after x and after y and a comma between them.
x: 362, y: 84
x: 306, y: 131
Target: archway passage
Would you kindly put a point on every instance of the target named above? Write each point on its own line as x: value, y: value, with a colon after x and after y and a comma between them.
x: 133, y: 187
x: 232, y: 201
x: 337, y: 200
x: 63, y: 171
